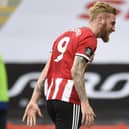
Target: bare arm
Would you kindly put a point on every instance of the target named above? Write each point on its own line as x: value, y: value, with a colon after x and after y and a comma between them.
x: 38, y: 90
x: 78, y: 71
x: 32, y: 108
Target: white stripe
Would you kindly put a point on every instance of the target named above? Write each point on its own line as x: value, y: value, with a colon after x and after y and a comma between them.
x: 73, y: 116
x: 77, y: 116
x: 48, y: 92
x: 78, y: 54
x: 75, y: 125
x: 76, y: 113
x: 57, y: 84
x: 67, y: 91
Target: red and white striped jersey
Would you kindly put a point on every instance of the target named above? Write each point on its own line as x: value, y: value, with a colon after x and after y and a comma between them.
x: 60, y: 86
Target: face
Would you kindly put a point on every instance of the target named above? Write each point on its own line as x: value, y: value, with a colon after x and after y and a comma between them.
x: 108, y: 27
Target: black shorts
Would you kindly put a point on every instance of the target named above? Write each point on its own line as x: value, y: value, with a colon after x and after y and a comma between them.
x: 3, y: 118
x: 64, y: 115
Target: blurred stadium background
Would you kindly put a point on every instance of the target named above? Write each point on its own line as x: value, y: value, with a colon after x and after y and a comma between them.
x: 27, y: 30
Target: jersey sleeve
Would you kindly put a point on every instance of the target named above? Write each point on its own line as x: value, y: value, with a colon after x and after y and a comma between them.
x: 87, y: 47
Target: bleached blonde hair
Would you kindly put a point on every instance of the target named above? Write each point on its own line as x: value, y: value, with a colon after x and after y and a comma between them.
x: 101, y: 7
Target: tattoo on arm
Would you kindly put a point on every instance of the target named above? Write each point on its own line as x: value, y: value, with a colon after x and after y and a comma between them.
x: 79, y: 67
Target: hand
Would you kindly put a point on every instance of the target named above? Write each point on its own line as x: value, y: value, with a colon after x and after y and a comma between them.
x: 31, y: 111
x: 87, y: 114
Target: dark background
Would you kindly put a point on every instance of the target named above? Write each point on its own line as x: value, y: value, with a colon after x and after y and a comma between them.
x: 108, y: 111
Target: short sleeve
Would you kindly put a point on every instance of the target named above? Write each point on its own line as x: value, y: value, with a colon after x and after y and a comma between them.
x: 87, y: 47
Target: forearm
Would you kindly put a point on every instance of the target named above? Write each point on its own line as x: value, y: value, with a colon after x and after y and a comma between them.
x: 78, y: 71
x: 80, y: 87
x: 38, y: 91
x: 39, y: 87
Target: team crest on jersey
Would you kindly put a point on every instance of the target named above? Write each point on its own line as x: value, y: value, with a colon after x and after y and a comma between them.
x: 7, y: 7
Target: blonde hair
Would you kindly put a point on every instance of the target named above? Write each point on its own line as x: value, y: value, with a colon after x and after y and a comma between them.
x: 101, y: 7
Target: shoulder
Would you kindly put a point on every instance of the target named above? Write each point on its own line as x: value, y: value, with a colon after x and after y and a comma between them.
x: 87, y: 35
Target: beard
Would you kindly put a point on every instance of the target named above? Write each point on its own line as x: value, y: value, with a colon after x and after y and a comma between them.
x: 105, y: 36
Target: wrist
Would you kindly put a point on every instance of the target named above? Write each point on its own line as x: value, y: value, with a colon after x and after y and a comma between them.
x: 84, y: 102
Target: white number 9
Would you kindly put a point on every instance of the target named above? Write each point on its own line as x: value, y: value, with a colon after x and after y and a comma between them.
x: 62, y: 45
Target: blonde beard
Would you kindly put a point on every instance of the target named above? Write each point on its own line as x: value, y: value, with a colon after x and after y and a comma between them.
x: 105, y: 37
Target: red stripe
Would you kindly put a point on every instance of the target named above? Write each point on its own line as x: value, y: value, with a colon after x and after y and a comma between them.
x: 52, y: 90
x: 74, y: 96
x: 61, y: 89
x: 84, y: 16
x: 119, y: 2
